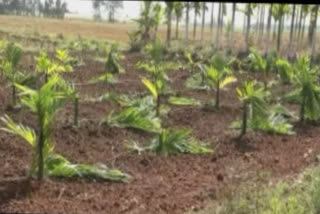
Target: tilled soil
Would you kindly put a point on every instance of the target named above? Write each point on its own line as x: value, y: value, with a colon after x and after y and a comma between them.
x: 172, y: 184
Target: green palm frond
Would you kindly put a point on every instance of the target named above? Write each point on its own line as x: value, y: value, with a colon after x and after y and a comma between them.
x: 18, y: 129
x: 171, y: 141
x: 184, y: 101
x: 259, y: 115
x: 285, y: 70
x: 59, y: 167
x: 136, y: 117
x: 306, y: 81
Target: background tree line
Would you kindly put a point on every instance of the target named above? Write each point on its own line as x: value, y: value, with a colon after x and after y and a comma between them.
x: 263, y: 24
x: 47, y: 8
x: 109, y: 6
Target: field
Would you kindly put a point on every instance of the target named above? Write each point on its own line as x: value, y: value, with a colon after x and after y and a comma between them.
x: 175, y: 184
x: 29, y: 26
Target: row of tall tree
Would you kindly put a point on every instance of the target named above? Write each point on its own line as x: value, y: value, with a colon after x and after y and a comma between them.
x: 47, y: 8
x: 259, y: 19
x: 109, y: 6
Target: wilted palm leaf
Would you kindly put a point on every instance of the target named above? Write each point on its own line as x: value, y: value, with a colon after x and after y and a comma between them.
x: 184, y: 101
x: 171, y: 141
x: 135, y: 117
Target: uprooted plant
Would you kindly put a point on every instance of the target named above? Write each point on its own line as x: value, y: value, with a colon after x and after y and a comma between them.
x: 45, y: 103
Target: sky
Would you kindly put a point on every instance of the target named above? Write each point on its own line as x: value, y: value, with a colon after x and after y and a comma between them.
x: 131, y: 9
x: 83, y: 9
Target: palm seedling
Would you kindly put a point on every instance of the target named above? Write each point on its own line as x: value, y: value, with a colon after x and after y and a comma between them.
x: 192, y: 64
x: 45, y: 103
x: 285, y: 71
x: 177, y: 141
x: 256, y: 113
x: 172, y: 141
x: 10, y: 63
x: 112, y: 65
x: 218, y: 75
x: 157, y: 68
x: 257, y: 63
x: 306, y: 82
x: 49, y: 67
x: 249, y: 95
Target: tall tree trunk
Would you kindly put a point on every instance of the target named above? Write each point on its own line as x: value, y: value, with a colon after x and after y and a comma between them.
x: 211, y: 23
x: 187, y: 23
x: 290, y: 48
x: 248, y: 31
x: 261, y: 24
x: 221, y: 21
x: 303, y: 29
x: 257, y: 30
x: 169, y: 27
x: 203, y: 19
x: 262, y: 21
x: 230, y: 42
x: 296, y: 26
x: 313, y: 42
x: 300, y: 25
x: 268, y: 29
x: 279, y: 34
x: 177, y: 28
x: 218, y: 28
x: 275, y: 24
x: 310, y: 30
x: 244, y: 24
x: 195, y: 24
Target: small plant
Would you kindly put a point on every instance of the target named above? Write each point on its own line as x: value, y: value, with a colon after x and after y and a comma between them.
x: 256, y: 113
x: 307, y: 89
x: 257, y: 63
x: 112, y: 65
x: 45, y: 103
x: 171, y: 141
x: 10, y: 63
x: 218, y: 75
x: 136, y: 117
x: 156, y: 89
x: 158, y: 85
x: 248, y: 95
x: 285, y: 71
x: 192, y: 64
x: 184, y: 101
x: 49, y: 67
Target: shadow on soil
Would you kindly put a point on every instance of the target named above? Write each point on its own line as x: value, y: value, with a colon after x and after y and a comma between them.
x: 14, y: 188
